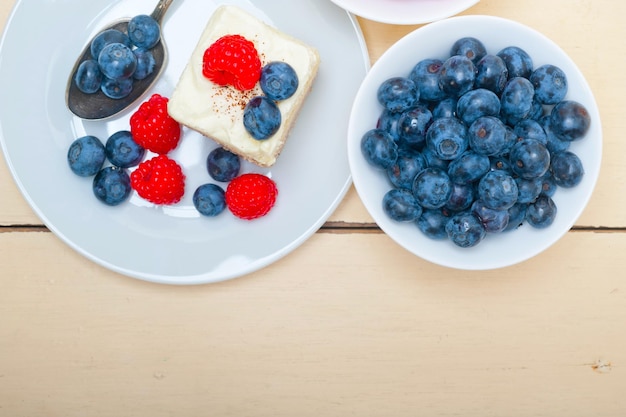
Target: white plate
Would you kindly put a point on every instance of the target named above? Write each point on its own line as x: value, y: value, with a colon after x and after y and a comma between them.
x: 434, y: 41
x: 175, y: 244
x: 405, y: 12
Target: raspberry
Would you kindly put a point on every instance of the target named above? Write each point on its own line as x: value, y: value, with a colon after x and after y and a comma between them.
x: 159, y: 180
x: 250, y: 196
x: 232, y: 60
x: 153, y: 128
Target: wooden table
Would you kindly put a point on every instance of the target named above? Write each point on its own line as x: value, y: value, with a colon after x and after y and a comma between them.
x: 349, y: 324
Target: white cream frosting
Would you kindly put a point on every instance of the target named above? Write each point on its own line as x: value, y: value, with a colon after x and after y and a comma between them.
x: 217, y: 111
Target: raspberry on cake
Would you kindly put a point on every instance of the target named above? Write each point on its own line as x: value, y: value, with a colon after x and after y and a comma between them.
x: 232, y: 60
x: 216, y: 109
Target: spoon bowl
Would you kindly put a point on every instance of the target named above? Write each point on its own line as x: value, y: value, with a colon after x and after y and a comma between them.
x: 98, y: 106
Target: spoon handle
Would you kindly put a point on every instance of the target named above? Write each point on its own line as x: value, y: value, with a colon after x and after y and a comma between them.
x: 160, y: 9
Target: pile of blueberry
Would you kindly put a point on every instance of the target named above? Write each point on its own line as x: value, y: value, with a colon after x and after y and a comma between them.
x: 118, y: 58
x: 261, y: 116
x: 477, y: 143
x: 87, y: 155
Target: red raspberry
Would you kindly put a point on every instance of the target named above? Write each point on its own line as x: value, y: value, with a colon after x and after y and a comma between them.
x: 159, y: 180
x: 153, y: 128
x: 232, y: 60
x: 250, y: 196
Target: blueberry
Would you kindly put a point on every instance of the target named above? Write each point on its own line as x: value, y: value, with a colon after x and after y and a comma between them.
x: 469, y: 167
x: 432, y: 188
x: 537, y: 110
x: 530, y: 129
x: 511, y: 139
x: 570, y: 120
x: 406, y: 167
x: 465, y: 229
x: 400, y: 205
x: 433, y: 224
x: 553, y: 142
x: 501, y: 163
x: 447, y: 138
x: 261, y: 117
x: 86, y: 156
x: 111, y: 185
x: 516, y: 101
x: 279, y: 80
x: 413, y: 125
x: 542, y: 212
x: 548, y: 184
x: 88, y: 77
x: 517, y: 215
x: 567, y: 169
x: 491, y: 74
x: 144, y: 31
x: 145, y: 63
x: 434, y: 161
x: 388, y: 121
x: 379, y: 148
x: 398, y: 94
x: 117, y: 89
x: 445, y: 108
x: 517, y: 61
x: 122, y: 150
x: 209, y: 200
x: 476, y: 103
x: 223, y: 165
x: 498, y: 190
x: 529, y: 158
x: 426, y: 75
x: 528, y: 189
x: 117, y: 61
x: 469, y: 47
x: 105, y: 38
x: 461, y: 197
x: 487, y: 135
x: 550, y: 84
x: 457, y: 75
x: 494, y: 221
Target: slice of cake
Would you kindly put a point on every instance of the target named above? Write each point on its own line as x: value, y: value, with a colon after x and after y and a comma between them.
x: 217, y: 111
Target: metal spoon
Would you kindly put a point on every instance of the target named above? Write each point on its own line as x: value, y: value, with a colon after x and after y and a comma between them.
x: 98, y: 106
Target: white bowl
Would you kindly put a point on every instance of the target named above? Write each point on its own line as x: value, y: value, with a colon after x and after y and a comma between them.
x: 405, y: 12
x: 434, y: 41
